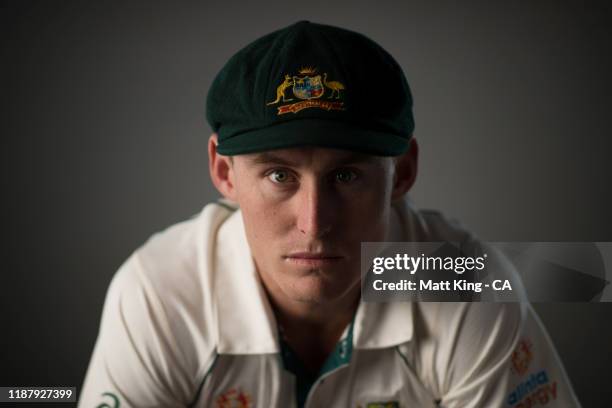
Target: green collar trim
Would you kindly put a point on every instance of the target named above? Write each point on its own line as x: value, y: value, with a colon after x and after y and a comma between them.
x: 226, y: 204
x: 340, y: 355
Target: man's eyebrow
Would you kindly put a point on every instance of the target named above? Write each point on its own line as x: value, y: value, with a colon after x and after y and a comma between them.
x: 357, y: 158
x: 271, y: 158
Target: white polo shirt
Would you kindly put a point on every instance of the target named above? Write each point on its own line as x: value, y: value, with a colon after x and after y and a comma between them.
x: 186, y: 323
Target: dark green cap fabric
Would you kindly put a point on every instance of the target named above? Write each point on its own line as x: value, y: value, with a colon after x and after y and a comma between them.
x: 311, y: 85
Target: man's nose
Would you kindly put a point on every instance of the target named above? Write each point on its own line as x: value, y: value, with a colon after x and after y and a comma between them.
x: 315, y: 209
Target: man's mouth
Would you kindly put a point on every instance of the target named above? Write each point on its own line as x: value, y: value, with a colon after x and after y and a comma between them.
x: 313, y: 259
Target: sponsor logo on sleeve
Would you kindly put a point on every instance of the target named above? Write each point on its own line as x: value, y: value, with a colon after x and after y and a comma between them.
x: 233, y: 398
x: 522, y: 356
x: 535, y: 390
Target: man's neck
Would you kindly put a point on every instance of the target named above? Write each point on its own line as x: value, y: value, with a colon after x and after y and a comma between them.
x: 312, y: 329
x: 310, y: 315
x: 316, y: 321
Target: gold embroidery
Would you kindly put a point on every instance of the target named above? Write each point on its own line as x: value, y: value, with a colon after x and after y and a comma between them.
x: 298, y: 106
x: 335, y: 86
x: 280, y: 90
x: 308, y: 70
x: 308, y: 87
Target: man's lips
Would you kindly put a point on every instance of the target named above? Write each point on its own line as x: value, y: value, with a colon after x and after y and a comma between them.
x: 313, y: 258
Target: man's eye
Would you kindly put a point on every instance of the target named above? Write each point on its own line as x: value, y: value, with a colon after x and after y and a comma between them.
x: 280, y: 176
x: 345, y: 176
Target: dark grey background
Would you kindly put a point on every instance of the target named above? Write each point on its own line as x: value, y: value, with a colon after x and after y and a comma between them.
x: 104, y: 142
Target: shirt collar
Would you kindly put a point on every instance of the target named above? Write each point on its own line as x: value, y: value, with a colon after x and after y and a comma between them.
x: 388, y: 324
x: 245, y: 320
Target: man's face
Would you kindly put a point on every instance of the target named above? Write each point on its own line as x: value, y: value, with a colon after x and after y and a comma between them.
x: 306, y: 212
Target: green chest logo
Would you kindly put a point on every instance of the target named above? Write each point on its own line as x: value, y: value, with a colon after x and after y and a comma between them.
x: 110, y: 401
x: 387, y: 404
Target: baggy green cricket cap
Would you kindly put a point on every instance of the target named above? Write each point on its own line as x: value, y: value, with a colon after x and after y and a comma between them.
x: 311, y: 85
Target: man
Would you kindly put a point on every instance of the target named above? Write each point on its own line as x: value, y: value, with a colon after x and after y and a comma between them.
x: 256, y: 301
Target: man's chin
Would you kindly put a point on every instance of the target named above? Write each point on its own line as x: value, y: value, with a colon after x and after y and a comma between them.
x: 316, y: 289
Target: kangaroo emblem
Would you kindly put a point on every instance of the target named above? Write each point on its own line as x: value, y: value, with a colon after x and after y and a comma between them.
x: 280, y: 90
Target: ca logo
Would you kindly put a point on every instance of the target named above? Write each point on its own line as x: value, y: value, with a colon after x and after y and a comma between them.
x: 114, y: 401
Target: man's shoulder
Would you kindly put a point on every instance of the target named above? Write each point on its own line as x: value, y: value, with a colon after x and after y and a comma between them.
x: 429, y: 225
x: 445, y: 320
x: 167, y: 282
x: 158, y: 332
x: 172, y: 268
x: 179, y: 249
x: 184, y: 235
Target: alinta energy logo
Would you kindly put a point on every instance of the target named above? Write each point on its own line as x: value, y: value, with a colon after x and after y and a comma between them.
x: 534, y: 389
x: 312, y: 90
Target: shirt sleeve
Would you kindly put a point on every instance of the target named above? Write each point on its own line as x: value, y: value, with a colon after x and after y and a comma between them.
x: 503, y: 357
x: 136, y: 360
x: 537, y: 377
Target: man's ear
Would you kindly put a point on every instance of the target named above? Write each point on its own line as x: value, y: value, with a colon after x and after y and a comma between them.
x: 405, y: 170
x: 221, y: 170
